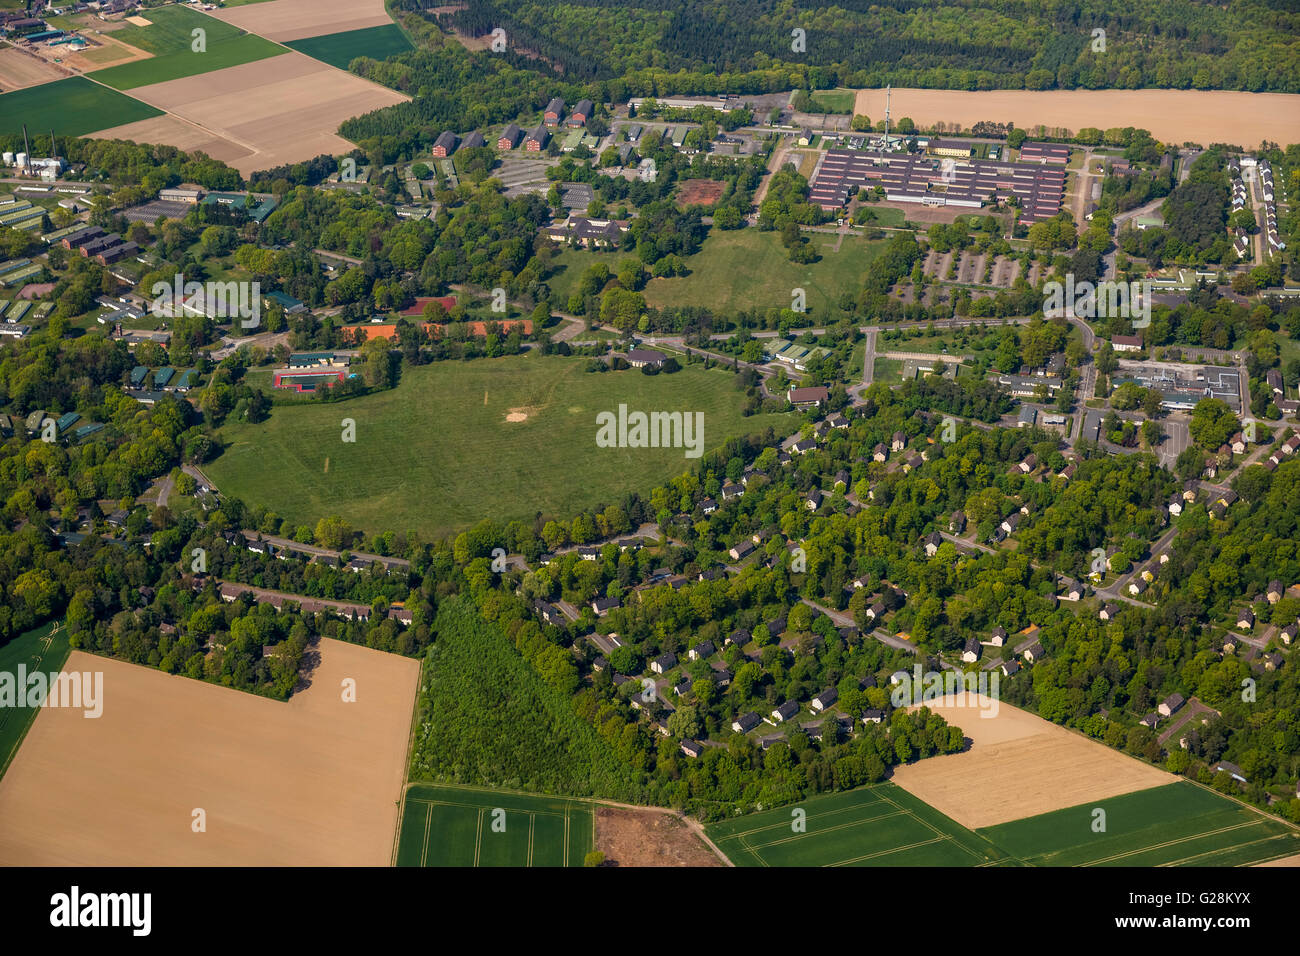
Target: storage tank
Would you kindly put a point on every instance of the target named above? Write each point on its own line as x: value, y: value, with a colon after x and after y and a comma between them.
x: 21, y: 160
x: 9, y: 158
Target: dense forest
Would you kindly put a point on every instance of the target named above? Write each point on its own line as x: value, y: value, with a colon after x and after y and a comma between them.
x: 974, y: 44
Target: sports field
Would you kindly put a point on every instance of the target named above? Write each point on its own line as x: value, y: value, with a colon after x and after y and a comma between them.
x: 43, y: 649
x: 457, y: 442
x: 835, y: 101
x: 880, y: 825
x: 742, y: 269
x: 74, y: 107
x: 460, y: 826
x: 340, y: 49
x: 1180, y: 824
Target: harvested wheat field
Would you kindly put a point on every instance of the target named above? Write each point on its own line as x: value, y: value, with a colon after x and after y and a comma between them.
x: 298, y: 19
x: 1019, y: 765
x: 311, y: 782
x: 19, y: 70
x: 174, y: 131
x: 280, y: 110
x: 1172, y: 116
x: 631, y: 837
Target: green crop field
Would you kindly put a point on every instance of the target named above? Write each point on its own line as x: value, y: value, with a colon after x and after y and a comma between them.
x: 881, y: 825
x: 1180, y: 824
x: 459, y: 826
x: 171, y: 30
x: 436, y: 454
x: 74, y: 107
x: 44, y: 649
x: 219, y: 55
x: 340, y: 49
x: 745, y: 268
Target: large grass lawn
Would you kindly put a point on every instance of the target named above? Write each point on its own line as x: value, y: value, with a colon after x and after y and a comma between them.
x: 744, y: 268
x: 835, y: 101
x: 74, y: 107
x: 436, y: 454
x: 340, y: 49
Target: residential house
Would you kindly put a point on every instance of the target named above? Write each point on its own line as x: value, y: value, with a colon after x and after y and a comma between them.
x: 664, y: 663
x: 825, y: 699
x: 1170, y: 705
x: 784, y: 712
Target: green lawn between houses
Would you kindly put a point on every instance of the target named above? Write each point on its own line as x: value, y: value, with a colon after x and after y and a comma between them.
x: 436, y: 454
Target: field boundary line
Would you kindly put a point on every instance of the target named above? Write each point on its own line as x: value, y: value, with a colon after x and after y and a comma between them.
x: 841, y: 826
x: 532, y: 822
x: 817, y: 816
x: 752, y: 852
x: 424, y: 849
x: 473, y: 806
x: 1249, y: 806
x: 478, y: 835
x: 932, y: 828
x: 1170, y: 843
x: 1280, y: 856
x: 898, y: 849
x: 1235, y: 846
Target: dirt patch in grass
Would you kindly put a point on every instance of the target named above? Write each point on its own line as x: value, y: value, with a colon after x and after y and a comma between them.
x: 699, y: 192
x: 522, y: 413
x: 646, y: 838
